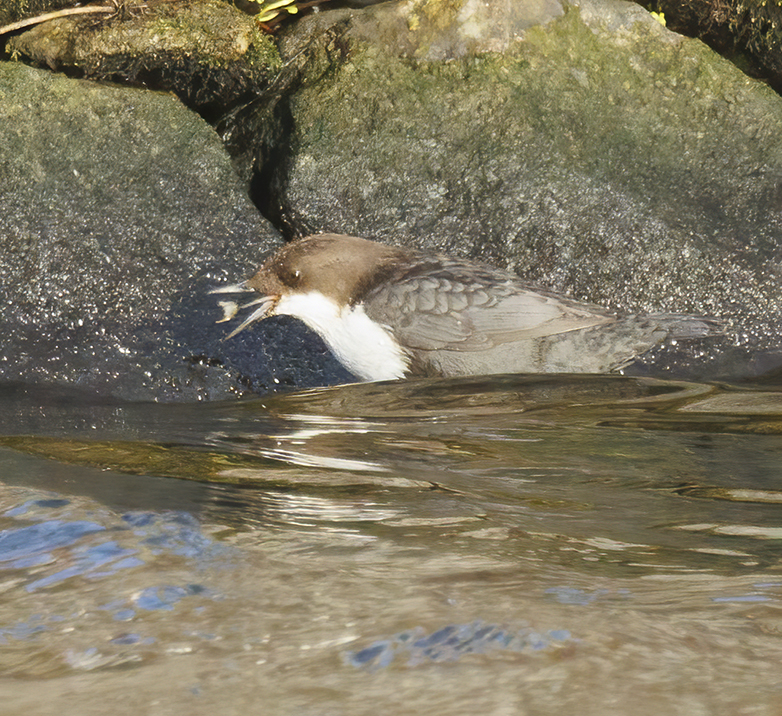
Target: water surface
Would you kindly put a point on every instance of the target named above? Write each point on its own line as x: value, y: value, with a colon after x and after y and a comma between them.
x: 516, y: 545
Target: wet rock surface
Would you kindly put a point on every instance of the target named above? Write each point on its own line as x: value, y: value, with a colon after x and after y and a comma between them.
x: 120, y: 211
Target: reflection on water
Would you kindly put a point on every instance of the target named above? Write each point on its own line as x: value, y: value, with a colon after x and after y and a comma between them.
x: 505, y: 545
x: 450, y: 643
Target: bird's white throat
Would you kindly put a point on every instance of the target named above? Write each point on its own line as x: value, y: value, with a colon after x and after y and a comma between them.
x: 364, y: 347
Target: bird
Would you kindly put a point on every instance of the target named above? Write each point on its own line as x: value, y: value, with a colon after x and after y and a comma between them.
x: 390, y: 312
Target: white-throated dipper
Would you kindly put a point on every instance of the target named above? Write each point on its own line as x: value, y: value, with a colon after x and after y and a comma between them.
x: 387, y: 312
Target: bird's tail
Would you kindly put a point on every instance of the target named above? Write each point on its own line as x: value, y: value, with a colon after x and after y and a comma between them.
x: 681, y: 326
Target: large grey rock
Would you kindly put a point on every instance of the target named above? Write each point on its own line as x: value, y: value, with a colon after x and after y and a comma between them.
x: 119, y: 209
x: 586, y: 147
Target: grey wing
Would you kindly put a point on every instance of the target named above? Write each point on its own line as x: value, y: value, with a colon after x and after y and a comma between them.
x: 433, y: 313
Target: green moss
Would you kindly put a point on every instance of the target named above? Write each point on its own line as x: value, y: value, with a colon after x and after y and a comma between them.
x: 215, y: 33
x: 12, y: 10
x: 434, y: 23
x: 438, y: 14
x: 262, y: 53
x: 598, y: 88
x: 207, y: 52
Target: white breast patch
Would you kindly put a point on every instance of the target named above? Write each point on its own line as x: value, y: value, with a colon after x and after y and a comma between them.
x: 364, y: 347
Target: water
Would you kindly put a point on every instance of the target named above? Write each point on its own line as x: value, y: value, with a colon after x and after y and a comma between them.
x: 513, y: 545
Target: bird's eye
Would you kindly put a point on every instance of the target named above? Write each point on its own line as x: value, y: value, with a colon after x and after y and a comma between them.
x: 291, y: 277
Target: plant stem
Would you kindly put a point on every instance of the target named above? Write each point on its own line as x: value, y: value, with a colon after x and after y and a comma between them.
x: 91, y: 10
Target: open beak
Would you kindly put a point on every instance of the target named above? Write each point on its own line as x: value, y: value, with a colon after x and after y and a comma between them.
x: 231, y: 308
x: 264, y: 303
x: 233, y: 288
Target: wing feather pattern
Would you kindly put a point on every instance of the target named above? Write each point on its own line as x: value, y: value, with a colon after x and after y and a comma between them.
x: 448, y: 306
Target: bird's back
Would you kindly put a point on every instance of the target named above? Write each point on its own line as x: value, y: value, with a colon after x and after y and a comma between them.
x: 456, y: 318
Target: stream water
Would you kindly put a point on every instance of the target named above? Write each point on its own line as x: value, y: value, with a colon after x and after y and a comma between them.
x: 513, y: 545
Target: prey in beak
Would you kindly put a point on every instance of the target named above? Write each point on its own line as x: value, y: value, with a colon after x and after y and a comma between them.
x: 271, y: 283
x: 266, y: 305
x: 322, y: 280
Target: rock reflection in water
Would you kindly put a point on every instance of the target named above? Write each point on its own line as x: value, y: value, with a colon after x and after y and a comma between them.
x: 450, y: 643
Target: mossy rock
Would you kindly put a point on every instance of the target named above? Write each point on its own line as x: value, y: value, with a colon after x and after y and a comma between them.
x: 207, y: 52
